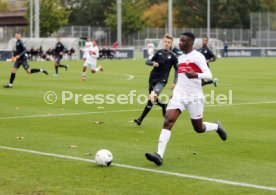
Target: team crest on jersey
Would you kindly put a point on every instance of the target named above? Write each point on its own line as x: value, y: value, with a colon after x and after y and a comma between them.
x: 169, y: 56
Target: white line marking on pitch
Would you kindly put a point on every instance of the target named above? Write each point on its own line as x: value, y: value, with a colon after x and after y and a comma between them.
x: 118, y: 111
x: 68, y: 114
x: 241, y: 104
x: 147, y: 169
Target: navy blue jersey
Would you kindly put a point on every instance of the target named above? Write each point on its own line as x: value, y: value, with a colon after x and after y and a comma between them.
x: 20, y: 50
x: 59, y: 48
x: 166, y: 60
x: 208, y: 54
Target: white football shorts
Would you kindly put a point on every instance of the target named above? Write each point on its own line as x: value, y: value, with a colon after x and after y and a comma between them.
x: 90, y: 63
x: 195, y: 107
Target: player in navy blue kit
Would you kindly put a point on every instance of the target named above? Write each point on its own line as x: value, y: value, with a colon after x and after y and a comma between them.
x: 210, y: 57
x: 58, y: 54
x: 162, y: 61
x: 21, y: 59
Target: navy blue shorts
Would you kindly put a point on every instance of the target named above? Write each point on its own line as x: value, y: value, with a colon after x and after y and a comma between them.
x: 157, y: 87
x: 24, y: 63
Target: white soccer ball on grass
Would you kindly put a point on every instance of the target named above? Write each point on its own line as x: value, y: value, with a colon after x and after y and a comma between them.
x: 103, y: 158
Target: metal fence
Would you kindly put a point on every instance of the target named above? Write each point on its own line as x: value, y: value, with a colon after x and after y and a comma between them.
x: 7, y: 33
x: 263, y: 27
x: 262, y: 33
x: 106, y: 37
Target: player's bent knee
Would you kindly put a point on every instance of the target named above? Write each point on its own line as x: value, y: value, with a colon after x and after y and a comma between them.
x: 14, y: 70
x: 169, y: 122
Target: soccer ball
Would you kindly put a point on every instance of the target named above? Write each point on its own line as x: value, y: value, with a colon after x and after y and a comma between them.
x: 103, y: 158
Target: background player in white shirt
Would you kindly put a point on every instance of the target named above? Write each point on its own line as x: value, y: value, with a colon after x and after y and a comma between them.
x: 91, y: 60
x: 188, y: 95
x: 85, y: 50
x: 150, y: 48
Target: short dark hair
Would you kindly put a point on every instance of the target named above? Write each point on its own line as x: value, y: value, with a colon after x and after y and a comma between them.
x: 190, y: 35
x: 17, y: 32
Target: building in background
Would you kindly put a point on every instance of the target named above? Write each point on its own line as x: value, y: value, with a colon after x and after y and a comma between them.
x: 14, y: 17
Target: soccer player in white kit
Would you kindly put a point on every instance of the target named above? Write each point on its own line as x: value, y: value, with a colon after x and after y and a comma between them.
x: 91, y: 54
x: 187, y: 95
x: 150, y: 48
x: 85, y: 50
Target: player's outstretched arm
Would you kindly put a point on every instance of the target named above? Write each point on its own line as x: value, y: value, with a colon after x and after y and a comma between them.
x: 152, y: 61
x: 149, y: 62
x: 24, y: 50
x: 213, y: 56
x: 204, y: 75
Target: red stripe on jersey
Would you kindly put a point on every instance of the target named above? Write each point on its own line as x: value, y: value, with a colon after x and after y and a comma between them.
x: 188, y: 68
x: 92, y: 53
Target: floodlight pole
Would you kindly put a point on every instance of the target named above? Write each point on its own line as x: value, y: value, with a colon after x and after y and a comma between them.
x: 208, y: 18
x: 119, y: 22
x: 170, y: 13
x: 37, y: 19
x: 31, y: 18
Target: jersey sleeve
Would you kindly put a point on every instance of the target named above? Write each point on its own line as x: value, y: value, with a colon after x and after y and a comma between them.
x: 24, y: 50
x: 84, y: 52
x: 97, y: 54
x: 151, y: 60
x: 206, y: 73
x: 62, y: 47
x: 155, y: 56
x: 212, y: 56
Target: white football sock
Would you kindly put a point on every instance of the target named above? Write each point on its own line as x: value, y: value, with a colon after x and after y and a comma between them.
x: 163, y: 140
x: 84, y: 74
x: 210, y: 126
x: 98, y: 69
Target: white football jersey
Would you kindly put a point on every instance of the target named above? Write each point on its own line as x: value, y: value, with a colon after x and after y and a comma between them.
x: 92, y: 54
x: 150, y: 48
x: 85, y: 50
x: 191, y: 88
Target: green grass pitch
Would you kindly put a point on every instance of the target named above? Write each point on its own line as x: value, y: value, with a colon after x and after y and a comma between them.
x: 248, y: 156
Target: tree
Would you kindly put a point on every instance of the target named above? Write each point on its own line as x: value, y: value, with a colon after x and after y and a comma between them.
x: 52, y: 16
x: 157, y: 15
x: 131, y: 16
x: 5, y: 5
x: 224, y: 13
x: 85, y: 12
x: 191, y: 13
x: 227, y: 14
x: 233, y: 14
